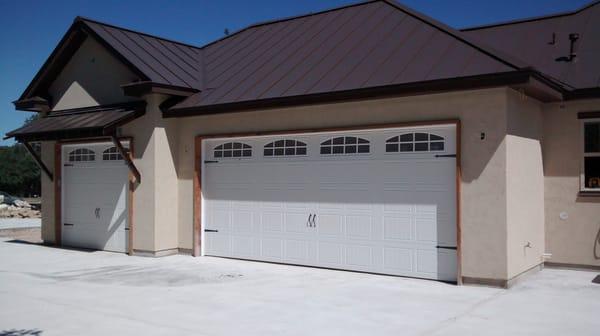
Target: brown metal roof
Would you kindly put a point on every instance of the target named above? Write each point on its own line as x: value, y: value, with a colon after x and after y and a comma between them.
x: 371, y: 44
x: 78, y: 123
x: 162, y: 61
x: 544, y: 42
x: 364, y: 46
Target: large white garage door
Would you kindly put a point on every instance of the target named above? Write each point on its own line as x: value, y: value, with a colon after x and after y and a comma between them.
x: 381, y: 201
x: 94, y: 197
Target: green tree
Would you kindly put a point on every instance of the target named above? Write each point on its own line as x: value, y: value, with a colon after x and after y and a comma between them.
x: 19, y: 174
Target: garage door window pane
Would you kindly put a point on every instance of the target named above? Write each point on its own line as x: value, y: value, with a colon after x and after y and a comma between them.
x: 415, y: 142
x: 285, y: 147
x: 111, y: 154
x: 345, y: 145
x: 232, y: 149
x: 82, y: 154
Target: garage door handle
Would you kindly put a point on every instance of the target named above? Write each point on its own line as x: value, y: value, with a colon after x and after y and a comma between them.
x: 208, y: 230
x: 446, y: 247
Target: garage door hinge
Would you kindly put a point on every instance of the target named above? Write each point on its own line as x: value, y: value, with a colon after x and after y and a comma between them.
x: 446, y: 247
x: 68, y: 165
x: 208, y: 161
x: 445, y: 155
x: 207, y: 230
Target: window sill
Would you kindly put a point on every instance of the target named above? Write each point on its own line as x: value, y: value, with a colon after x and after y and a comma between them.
x: 588, y: 193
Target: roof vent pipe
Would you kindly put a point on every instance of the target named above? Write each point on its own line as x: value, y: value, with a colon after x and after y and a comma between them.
x: 573, y: 37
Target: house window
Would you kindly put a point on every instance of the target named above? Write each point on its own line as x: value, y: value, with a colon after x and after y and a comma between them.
x: 285, y: 148
x: 233, y: 150
x: 112, y: 154
x: 345, y: 145
x: 591, y: 155
x: 414, y: 142
x: 82, y: 154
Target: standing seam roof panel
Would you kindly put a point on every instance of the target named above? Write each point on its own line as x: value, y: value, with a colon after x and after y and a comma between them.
x: 166, y: 66
x: 251, y: 75
x: 175, y: 61
x: 131, y: 57
x: 327, y: 73
x: 305, y: 55
x: 256, y: 52
x: 285, y: 60
x: 302, y: 85
x: 136, y: 46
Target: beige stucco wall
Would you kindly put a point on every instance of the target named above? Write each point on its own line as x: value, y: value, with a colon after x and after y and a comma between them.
x: 155, y: 202
x: 92, y: 77
x: 524, y: 183
x: 484, y: 229
x: 571, y: 240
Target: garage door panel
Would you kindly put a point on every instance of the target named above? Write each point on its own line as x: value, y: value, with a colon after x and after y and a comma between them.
x: 272, y: 248
x: 331, y: 225
x: 360, y: 227
x: 398, y: 259
x: 242, y: 246
x: 379, y: 212
x: 296, y: 250
x: 242, y: 221
x: 398, y: 228
x: 330, y: 254
x: 272, y: 222
x: 357, y: 255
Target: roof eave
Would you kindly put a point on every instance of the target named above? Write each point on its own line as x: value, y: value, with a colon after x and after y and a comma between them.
x: 139, y: 89
x: 62, y: 53
x: 525, y: 81
x: 34, y: 104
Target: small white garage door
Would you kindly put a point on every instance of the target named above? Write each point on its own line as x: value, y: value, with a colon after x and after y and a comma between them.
x: 381, y: 201
x: 94, y: 197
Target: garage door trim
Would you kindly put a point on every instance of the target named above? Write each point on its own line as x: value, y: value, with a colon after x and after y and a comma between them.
x: 58, y: 181
x: 198, y: 163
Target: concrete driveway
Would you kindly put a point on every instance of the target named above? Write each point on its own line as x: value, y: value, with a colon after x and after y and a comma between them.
x: 50, y: 291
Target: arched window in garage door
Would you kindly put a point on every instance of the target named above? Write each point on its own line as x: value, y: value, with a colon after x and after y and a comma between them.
x: 82, y: 154
x: 233, y: 150
x: 111, y: 154
x: 414, y: 142
x: 285, y: 147
x: 345, y: 145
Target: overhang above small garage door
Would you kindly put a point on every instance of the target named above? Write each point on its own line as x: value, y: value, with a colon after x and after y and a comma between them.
x: 376, y: 200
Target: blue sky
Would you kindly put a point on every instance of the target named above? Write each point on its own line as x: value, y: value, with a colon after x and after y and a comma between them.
x: 31, y: 29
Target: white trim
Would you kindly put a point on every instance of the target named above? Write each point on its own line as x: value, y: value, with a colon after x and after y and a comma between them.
x: 583, y: 154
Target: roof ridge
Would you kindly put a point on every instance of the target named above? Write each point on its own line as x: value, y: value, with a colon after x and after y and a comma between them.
x: 457, y: 34
x: 289, y: 18
x: 84, y: 19
x: 533, y: 18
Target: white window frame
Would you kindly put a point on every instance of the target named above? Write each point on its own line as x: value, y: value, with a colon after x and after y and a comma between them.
x: 582, y: 123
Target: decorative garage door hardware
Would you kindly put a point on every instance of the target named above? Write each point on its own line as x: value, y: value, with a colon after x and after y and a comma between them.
x: 446, y: 247
x: 445, y: 155
x: 68, y: 224
x: 97, y: 212
x: 211, y: 161
x: 209, y: 230
x: 312, y: 222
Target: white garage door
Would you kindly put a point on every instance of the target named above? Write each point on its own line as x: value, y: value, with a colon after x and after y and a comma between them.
x: 94, y: 197
x: 381, y: 201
